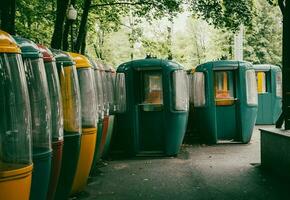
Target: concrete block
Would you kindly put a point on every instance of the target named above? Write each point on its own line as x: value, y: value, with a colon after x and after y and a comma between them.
x: 275, y: 151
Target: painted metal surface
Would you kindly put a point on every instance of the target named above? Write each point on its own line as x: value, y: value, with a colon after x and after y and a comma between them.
x: 97, y: 153
x: 41, y: 117
x: 109, y: 136
x: 15, y: 184
x: 88, y: 143
x: 269, y: 104
x: 15, y: 123
x: 232, y: 118
x: 72, y: 122
x: 149, y: 112
x: 89, y: 117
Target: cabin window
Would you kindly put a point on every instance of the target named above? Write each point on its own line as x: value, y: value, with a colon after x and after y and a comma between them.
x: 87, y: 94
x: 251, y: 88
x: 261, y: 82
x: 153, y: 93
x: 120, y: 93
x: 224, y: 85
x: 180, y: 90
x: 279, y: 84
x: 190, y: 78
x: 198, y: 89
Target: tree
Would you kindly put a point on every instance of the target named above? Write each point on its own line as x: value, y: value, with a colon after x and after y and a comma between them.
x: 34, y: 20
x: 7, y: 16
x: 263, y: 42
x: 284, y: 6
x: 57, y: 37
x: 150, y: 10
x: 228, y: 14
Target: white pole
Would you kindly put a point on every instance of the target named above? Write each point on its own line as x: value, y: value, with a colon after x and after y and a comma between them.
x: 238, y: 44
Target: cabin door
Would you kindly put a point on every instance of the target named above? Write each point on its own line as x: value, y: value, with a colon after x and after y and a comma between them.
x: 151, y: 113
x: 226, y: 104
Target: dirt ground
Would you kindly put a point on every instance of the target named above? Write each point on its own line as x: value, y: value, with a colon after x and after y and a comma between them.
x: 200, y: 172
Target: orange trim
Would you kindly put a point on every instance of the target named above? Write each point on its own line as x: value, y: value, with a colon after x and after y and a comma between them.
x: 87, y: 131
x: 224, y: 102
x: 15, y: 170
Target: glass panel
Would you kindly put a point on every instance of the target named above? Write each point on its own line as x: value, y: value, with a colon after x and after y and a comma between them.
x: 70, y: 99
x: 121, y: 92
x: 180, y: 90
x: 15, y: 116
x: 190, y: 78
x: 55, y: 101
x: 198, y: 89
x: 279, y: 84
x: 96, y: 102
x: 88, y: 99
x: 153, y: 93
x: 113, y: 77
x: 224, y: 85
x: 261, y: 82
x: 105, y: 92
x: 110, y: 90
x: 251, y: 87
x: 99, y: 92
x: 40, y: 105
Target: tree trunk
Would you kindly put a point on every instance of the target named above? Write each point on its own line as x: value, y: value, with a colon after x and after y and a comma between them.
x: 286, y: 64
x: 68, y: 25
x: 65, y: 42
x: 12, y: 17
x: 61, y: 9
x: 8, y: 16
x: 84, y: 20
x: 84, y: 43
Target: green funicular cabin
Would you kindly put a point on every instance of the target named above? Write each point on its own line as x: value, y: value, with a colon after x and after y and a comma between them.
x: 41, y: 117
x: 269, y: 86
x: 225, y: 101
x: 152, y: 107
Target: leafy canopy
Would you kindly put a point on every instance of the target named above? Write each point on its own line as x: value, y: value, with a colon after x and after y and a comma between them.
x: 228, y: 14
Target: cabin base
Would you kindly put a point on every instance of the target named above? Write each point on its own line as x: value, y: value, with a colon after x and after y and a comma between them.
x: 275, y: 148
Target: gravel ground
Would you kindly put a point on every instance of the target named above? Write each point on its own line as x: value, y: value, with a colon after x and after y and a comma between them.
x: 200, y: 172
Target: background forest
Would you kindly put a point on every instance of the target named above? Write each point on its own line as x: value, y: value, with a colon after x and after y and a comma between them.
x: 117, y: 31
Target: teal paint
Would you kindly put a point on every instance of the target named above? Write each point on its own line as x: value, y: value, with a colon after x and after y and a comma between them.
x: 109, y: 136
x: 97, y: 153
x: 269, y: 104
x: 146, y: 129
x: 228, y: 122
x: 41, y: 174
x: 70, y: 157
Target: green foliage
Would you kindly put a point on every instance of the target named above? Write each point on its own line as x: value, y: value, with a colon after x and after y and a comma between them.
x: 228, y: 14
x: 263, y: 42
x: 35, y: 19
x: 117, y: 29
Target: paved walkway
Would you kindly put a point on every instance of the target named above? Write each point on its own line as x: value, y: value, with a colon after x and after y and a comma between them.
x: 200, y: 172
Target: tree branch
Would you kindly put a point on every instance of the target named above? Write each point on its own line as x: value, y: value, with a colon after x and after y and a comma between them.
x: 121, y: 3
x: 281, y: 4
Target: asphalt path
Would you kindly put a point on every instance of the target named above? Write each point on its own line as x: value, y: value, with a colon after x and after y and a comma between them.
x: 199, y: 172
